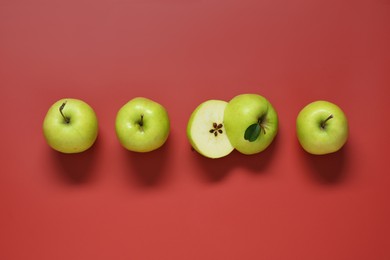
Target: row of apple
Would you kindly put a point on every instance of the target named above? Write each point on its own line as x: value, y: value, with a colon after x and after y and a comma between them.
x: 247, y: 123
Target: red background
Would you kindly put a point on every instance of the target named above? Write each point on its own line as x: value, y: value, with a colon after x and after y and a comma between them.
x: 108, y: 203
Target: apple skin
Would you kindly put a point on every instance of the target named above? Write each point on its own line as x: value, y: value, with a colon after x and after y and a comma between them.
x: 155, y: 125
x: 319, y: 140
x: 244, y: 110
x: 76, y: 136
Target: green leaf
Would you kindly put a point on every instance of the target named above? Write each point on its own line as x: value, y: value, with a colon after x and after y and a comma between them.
x: 252, y: 132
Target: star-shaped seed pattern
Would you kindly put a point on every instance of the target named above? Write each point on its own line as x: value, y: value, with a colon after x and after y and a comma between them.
x: 216, y: 129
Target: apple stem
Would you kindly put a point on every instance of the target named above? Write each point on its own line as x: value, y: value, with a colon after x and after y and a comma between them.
x: 260, y: 122
x: 67, y: 120
x: 326, y: 120
x: 141, y: 122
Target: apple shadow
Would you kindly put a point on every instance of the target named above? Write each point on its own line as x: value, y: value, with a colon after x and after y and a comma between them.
x: 149, y: 169
x: 76, y: 168
x: 328, y: 169
x: 215, y: 170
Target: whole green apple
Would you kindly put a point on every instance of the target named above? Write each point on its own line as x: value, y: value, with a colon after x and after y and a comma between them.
x: 142, y: 125
x: 322, y: 127
x: 70, y: 126
x: 251, y: 123
x: 206, y: 132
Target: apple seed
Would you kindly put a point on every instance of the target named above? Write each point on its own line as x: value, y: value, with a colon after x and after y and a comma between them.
x: 216, y: 129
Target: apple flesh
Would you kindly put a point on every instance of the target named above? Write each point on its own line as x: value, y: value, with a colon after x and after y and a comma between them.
x: 142, y: 125
x: 70, y: 126
x: 322, y: 127
x: 251, y: 123
x: 206, y: 131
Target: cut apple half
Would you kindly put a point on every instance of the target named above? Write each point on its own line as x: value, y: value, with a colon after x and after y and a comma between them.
x: 206, y: 131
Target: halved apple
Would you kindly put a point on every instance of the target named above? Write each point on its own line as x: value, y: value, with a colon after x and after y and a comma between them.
x: 206, y: 131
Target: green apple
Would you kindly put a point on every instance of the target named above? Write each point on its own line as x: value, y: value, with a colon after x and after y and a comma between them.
x: 251, y: 123
x: 142, y: 125
x: 206, y: 131
x: 70, y: 126
x: 322, y: 127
